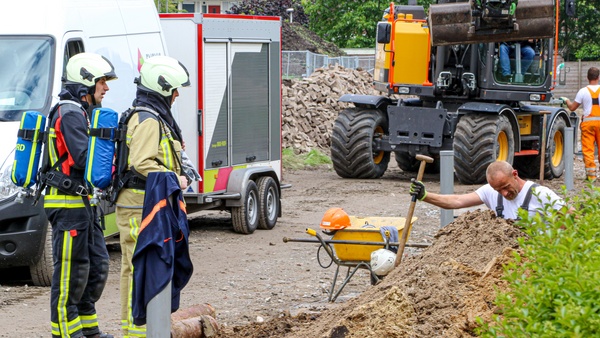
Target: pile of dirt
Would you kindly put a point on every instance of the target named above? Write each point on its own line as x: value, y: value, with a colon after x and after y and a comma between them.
x: 296, y: 37
x: 310, y: 106
x: 438, y: 293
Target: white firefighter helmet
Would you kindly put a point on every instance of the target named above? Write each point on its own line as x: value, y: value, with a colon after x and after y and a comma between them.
x: 382, y: 261
x: 163, y: 74
x: 87, y: 68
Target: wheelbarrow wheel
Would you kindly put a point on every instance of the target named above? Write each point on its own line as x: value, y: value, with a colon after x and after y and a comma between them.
x: 245, y: 217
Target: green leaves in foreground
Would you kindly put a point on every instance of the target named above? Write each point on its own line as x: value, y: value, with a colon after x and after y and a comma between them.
x: 554, y: 291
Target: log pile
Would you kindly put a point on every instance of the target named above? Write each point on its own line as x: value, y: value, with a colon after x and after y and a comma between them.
x: 310, y: 105
x: 197, y: 321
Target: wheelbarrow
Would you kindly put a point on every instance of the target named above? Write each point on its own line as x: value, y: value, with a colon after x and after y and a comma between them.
x: 352, y: 246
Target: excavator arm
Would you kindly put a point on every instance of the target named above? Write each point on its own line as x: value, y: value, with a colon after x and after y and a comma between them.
x: 480, y: 21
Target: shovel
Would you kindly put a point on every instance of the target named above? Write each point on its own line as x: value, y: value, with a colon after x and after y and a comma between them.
x: 424, y: 159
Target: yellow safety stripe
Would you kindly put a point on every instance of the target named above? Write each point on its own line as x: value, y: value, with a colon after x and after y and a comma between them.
x: 63, y: 201
x: 66, y: 327
x: 51, y: 150
x: 166, y: 150
x: 92, y: 148
x: 89, y: 321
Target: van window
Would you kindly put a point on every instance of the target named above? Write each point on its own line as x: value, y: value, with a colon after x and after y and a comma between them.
x: 73, y: 47
x: 26, y: 68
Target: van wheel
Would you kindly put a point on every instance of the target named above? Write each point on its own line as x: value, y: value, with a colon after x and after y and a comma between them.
x: 41, y: 271
x: 245, y: 218
x: 268, y: 202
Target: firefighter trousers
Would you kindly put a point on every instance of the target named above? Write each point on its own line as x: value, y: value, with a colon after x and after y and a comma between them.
x: 128, y: 221
x: 590, y: 137
x: 80, y: 261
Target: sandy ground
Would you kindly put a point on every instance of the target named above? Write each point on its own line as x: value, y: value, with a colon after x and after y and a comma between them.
x: 250, y: 278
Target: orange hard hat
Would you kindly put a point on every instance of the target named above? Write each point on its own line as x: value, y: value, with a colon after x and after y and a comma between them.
x: 335, y: 219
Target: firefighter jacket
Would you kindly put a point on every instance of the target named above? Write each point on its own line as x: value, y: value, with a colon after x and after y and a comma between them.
x: 154, y: 143
x: 161, y: 254
x: 68, y: 139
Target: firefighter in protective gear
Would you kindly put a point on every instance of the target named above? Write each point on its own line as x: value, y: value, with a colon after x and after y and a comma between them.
x: 78, y: 246
x: 587, y: 98
x: 155, y: 143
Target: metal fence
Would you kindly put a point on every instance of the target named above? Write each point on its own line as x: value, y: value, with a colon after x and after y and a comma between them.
x: 304, y: 63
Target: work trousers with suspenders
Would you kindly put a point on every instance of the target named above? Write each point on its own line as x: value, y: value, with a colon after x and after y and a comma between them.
x: 524, y: 206
x: 590, y: 136
x: 80, y: 261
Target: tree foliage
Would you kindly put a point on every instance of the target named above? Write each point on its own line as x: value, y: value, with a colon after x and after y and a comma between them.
x: 161, y: 6
x: 350, y: 23
x: 272, y: 8
x: 580, y: 35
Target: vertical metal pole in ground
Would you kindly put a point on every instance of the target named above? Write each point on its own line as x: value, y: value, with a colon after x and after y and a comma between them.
x: 568, y: 157
x: 446, y: 184
x: 158, y: 315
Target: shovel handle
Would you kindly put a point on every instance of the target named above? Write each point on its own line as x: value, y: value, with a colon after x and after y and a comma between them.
x: 407, y: 225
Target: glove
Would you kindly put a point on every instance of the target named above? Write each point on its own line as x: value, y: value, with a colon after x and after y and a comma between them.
x: 417, y: 188
x: 564, y: 99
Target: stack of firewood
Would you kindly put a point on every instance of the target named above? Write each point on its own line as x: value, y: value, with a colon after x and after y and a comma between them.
x: 310, y: 106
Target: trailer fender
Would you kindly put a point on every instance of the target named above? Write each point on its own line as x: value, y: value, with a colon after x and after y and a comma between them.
x: 367, y: 101
x: 239, y: 178
x: 498, y: 109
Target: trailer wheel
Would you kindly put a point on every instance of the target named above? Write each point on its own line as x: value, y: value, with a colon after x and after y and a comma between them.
x: 410, y: 164
x: 41, y: 271
x: 245, y: 218
x: 352, y: 138
x: 479, y: 140
x: 554, y: 165
x: 268, y: 202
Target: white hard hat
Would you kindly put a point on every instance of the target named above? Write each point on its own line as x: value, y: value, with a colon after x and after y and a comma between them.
x: 87, y: 68
x: 163, y: 74
x: 382, y: 261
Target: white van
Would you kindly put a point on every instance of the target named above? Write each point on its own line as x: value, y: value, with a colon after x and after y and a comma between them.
x: 37, y: 37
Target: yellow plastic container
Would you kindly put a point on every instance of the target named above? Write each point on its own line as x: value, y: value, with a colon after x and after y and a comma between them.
x: 365, y: 229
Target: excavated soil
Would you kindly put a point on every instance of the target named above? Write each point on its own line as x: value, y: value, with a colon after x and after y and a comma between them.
x: 437, y: 293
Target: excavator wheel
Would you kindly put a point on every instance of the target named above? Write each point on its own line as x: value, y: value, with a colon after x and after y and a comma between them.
x: 454, y: 23
x: 554, y: 164
x: 410, y: 164
x: 479, y: 140
x: 352, y: 138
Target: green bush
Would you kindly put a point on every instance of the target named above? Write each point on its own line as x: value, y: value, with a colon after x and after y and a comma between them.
x: 554, y: 284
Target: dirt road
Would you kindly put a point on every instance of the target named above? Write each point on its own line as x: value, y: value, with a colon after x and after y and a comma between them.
x: 247, y: 278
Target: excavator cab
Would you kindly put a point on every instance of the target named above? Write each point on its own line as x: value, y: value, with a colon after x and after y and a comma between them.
x: 520, y: 62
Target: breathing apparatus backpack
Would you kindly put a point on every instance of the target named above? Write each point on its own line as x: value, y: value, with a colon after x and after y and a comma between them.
x: 123, y: 176
x: 101, y: 147
x: 30, y: 139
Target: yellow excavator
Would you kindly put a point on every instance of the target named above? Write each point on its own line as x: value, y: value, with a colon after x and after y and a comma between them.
x: 471, y: 77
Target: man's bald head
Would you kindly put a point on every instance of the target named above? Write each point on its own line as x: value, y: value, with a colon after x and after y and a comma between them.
x: 498, y: 167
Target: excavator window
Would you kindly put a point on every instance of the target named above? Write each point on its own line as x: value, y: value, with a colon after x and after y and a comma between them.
x: 532, y: 57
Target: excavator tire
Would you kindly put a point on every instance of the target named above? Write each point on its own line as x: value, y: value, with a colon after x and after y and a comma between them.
x: 410, y: 164
x: 352, y: 138
x: 479, y: 140
x: 452, y: 23
x: 554, y: 164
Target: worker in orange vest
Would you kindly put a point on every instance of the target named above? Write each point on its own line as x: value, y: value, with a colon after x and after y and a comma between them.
x: 587, y: 98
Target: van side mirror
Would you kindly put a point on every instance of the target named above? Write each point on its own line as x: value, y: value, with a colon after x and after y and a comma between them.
x: 384, y: 30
